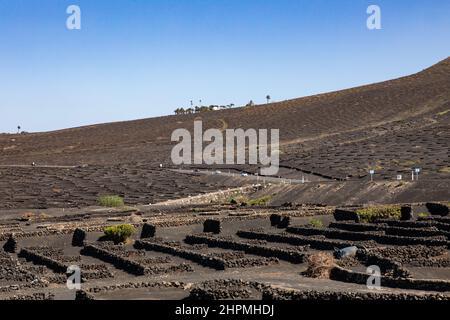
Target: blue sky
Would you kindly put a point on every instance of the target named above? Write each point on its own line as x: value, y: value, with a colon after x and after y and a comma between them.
x: 143, y: 58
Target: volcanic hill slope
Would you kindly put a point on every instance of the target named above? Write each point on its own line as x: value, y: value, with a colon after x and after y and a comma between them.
x: 389, y: 126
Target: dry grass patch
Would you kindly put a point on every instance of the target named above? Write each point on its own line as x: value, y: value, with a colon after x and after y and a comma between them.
x: 443, y: 113
x: 320, y: 265
x: 445, y: 170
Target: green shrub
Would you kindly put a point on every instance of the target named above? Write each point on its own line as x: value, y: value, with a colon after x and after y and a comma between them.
x: 371, y: 215
x: 119, y: 233
x: 260, y: 201
x: 111, y: 201
x: 423, y: 215
x: 316, y: 223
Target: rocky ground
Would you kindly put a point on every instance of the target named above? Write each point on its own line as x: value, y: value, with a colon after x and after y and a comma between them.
x: 246, y: 255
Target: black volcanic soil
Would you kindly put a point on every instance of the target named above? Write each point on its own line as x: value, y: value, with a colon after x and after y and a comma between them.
x: 386, y: 124
x: 330, y: 139
x: 52, y: 187
x: 390, y: 127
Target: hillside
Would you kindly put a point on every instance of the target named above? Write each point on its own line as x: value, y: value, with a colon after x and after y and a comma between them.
x: 389, y: 126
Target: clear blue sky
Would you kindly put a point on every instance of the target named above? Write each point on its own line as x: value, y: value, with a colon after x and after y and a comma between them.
x: 144, y: 58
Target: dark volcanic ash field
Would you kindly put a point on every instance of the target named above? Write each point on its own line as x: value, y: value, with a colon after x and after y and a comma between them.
x: 331, y: 139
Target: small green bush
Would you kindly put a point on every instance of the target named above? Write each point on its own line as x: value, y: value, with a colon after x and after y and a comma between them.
x: 260, y: 201
x: 371, y: 215
x: 119, y: 233
x: 111, y: 201
x: 423, y: 215
x: 316, y: 223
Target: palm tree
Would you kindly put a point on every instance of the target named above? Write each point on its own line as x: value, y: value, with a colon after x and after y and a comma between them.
x: 180, y: 111
x: 250, y: 104
x: 268, y: 98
